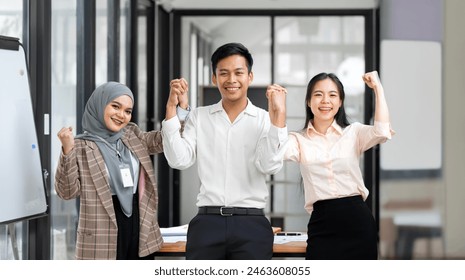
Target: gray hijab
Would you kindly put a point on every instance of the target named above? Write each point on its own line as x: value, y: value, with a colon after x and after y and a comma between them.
x: 114, y: 152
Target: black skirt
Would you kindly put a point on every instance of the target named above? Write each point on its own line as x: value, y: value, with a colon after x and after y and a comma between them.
x: 128, y: 230
x: 342, y: 229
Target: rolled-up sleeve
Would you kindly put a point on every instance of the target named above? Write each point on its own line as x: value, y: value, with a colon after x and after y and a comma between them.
x: 383, y: 129
x: 371, y: 135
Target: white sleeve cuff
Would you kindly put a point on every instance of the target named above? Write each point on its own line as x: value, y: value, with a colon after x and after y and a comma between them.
x: 183, y: 114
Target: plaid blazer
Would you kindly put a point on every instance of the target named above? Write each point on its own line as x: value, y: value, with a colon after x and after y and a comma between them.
x: 83, y: 173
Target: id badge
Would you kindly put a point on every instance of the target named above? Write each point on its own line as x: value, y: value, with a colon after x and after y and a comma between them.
x: 126, y: 175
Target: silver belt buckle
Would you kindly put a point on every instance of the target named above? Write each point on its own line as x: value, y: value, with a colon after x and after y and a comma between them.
x: 223, y: 214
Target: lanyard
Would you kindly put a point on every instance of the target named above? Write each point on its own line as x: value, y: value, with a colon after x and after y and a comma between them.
x: 108, y: 144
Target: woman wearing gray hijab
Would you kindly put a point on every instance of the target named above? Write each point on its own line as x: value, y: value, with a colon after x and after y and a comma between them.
x: 110, y: 169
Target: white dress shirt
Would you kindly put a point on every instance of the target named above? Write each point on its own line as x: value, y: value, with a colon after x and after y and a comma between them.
x: 330, y: 163
x: 233, y: 159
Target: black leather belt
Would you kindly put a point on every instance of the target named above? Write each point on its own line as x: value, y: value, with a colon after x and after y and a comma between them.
x: 230, y: 211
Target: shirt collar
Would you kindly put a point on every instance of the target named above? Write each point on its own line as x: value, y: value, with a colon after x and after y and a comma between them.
x: 250, y: 109
x: 334, y: 127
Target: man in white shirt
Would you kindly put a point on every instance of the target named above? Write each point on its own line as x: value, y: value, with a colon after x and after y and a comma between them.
x: 236, y: 145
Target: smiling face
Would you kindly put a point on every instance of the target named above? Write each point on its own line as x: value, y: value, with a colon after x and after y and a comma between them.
x: 232, y: 79
x: 118, y: 113
x: 325, y: 101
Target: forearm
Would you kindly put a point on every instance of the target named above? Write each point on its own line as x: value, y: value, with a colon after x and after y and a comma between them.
x: 170, y: 111
x: 381, y: 108
x: 278, y: 119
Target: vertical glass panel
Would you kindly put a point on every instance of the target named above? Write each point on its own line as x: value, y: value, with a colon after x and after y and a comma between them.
x: 214, y: 31
x: 288, y: 199
x: 304, y: 47
x: 195, y: 75
x: 101, y: 42
x: 4, y: 245
x: 141, y: 101
x: 124, y: 23
x: 14, y: 241
x: 11, y: 18
x: 63, y: 213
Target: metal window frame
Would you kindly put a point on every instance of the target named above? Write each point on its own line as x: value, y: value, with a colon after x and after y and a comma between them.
x: 37, y: 44
x: 85, y: 82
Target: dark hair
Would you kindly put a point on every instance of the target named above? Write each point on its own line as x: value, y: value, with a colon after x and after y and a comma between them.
x: 341, y: 117
x: 228, y: 50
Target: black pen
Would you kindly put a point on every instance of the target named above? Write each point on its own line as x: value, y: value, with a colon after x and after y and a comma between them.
x: 289, y: 233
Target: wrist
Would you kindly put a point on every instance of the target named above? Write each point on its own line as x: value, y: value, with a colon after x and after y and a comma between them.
x: 377, y: 87
x: 278, y: 119
x: 66, y: 150
x: 170, y: 106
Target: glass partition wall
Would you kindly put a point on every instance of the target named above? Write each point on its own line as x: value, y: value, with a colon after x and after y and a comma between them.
x: 113, y: 61
x: 64, y: 48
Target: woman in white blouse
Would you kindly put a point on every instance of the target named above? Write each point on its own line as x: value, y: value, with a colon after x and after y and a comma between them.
x: 328, y: 150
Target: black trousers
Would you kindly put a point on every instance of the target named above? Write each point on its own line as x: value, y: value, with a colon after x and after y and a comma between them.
x: 238, y: 237
x: 128, y: 232
x: 342, y: 229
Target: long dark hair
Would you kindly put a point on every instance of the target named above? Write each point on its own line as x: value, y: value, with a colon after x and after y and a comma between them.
x: 341, y: 117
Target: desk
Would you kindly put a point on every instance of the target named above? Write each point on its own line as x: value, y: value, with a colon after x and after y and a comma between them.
x: 283, y: 247
x: 292, y: 249
x: 412, y: 225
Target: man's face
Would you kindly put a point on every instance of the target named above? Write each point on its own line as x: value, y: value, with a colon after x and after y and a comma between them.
x: 232, y: 78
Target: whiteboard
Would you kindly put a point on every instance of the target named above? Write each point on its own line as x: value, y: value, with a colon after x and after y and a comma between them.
x: 22, y: 188
x: 412, y: 79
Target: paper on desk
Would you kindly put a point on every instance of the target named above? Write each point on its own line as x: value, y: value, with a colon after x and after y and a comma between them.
x: 174, y: 238
x: 281, y: 239
x: 174, y: 231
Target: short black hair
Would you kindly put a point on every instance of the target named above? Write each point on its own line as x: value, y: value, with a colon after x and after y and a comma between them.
x: 228, y: 50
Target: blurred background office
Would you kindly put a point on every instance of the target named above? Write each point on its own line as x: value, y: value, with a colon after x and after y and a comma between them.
x: 415, y: 180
